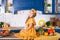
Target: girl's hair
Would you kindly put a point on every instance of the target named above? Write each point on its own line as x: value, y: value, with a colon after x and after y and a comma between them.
x: 33, y: 10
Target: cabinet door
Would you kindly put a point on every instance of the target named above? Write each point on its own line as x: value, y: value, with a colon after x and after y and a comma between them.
x: 48, y: 6
x: 58, y: 6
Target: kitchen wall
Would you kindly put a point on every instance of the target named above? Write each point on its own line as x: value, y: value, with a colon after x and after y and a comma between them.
x: 18, y: 20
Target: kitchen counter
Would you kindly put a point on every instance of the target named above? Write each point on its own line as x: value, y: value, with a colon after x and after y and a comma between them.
x: 11, y: 28
x: 17, y: 29
x: 41, y: 37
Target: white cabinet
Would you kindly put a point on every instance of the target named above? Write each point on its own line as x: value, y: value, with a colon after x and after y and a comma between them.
x: 48, y: 6
x: 57, y: 6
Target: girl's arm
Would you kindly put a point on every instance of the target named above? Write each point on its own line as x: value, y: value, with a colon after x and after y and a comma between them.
x: 30, y: 25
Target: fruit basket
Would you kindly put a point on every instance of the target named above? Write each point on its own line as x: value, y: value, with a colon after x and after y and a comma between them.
x: 4, y: 33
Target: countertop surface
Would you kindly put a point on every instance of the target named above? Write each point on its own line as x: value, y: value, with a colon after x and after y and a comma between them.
x: 41, y: 37
x: 11, y: 28
x: 15, y: 28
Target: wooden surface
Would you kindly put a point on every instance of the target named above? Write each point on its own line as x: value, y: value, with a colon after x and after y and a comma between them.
x: 41, y: 37
x: 11, y: 28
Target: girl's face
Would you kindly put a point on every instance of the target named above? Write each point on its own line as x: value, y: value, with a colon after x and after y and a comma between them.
x: 31, y: 14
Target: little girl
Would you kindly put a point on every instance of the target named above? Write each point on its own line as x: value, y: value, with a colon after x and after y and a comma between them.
x: 30, y: 31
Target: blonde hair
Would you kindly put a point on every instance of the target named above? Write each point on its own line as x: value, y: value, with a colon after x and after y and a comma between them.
x: 33, y: 10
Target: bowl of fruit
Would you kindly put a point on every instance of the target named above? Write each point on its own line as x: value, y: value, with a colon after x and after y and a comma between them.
x: 4, y: 33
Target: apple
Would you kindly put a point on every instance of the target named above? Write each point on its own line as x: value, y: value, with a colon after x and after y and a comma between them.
x: 51, y: 31
x: 6, y: 32
x: 1, y: 32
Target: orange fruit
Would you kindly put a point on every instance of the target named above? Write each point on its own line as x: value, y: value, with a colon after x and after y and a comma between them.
x: 46, y: 33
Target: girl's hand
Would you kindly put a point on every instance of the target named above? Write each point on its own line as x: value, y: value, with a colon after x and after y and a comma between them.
x: 27, y: 29
x: 21, y: 30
